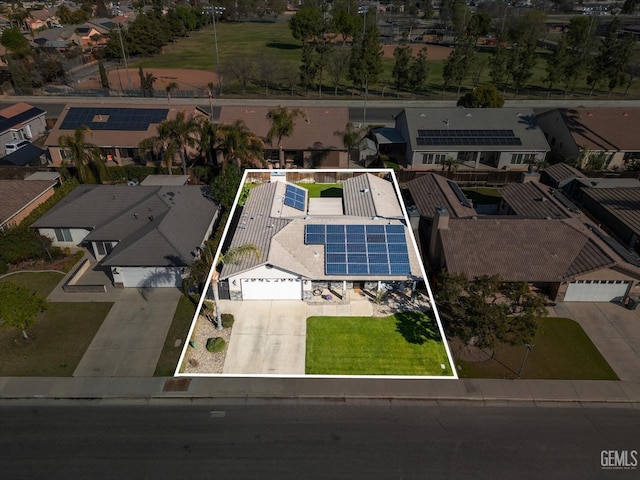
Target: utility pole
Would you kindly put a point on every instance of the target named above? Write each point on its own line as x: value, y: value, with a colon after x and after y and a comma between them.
x: 124, y: 57
x: 215, y: 38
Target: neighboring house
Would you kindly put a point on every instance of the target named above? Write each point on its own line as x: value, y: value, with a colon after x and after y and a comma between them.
x: 29, y: 155
x: 541, y: 238
x: 58, y: 39
x: 357, y: 241
x: 21, y: 121
x: 597, y: 138
x: 146, y: 236
x: 560, y: 175
x: 90, y: 35
x: 117, y: 130
x: 313, y: 143
x: 470, y: 138
x: 39, y: 19
x: 18, y: 198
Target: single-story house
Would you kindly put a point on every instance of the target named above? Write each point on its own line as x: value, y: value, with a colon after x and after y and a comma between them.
x: 147, y: 236
x: 29, y: 155
x: 608, y: 136
x: 472, y: 138
x: 42, y: 18
x: 117, y: 130
x: 360, y: 240
x: 539, y: 237
x: 313, y: 143
x: 21, y: 121
x: 18, y: 198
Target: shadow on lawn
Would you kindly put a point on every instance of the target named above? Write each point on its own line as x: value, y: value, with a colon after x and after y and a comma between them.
x: 333, y: 192
x: 283, y: 46
x: 416, y: 327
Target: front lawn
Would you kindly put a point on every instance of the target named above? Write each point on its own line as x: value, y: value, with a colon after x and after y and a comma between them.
x: 562, y: 351
x: 403, y: 344
x: 58, y: 338
x: 178, y: 330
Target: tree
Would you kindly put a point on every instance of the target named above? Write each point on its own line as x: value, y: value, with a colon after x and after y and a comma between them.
x: 146, y: 82
x: 498, y: 67
x: 487, y: 311
x: 579, y: 40
x: 173, y: 138
x: 104, y: 79
x: 402, y: 66
x: 170, y: 88
x: 241, y: 69
x: 419, y: 71
x: 344, y: 23
x: 459, y: 63
x: 85, y: 156
x: 556, y: 68
x: 612, y: 59
x: 240, y: 145
x: 308, y: 67
x: 12, y: 39
x: 19, y: 307
x: 350, y: 137
x: 485, y: 96
x: 306, y: 23
x: 283, y: 121
x: 337, y: 66
x: 225, y: 186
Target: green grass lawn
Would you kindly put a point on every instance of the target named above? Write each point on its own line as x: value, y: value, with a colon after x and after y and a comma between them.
x: 178, y: 330
x: 58, y: 338
x: 317, y: 190
x: 402, y: 344
x: 562, y: 350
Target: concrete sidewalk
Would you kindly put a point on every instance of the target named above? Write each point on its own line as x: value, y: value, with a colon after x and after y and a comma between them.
x: 226, y: 390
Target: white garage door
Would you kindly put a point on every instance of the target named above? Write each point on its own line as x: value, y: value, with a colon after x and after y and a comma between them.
x: 151, y: 277
x: 596, y: 291
x: 271, y: 289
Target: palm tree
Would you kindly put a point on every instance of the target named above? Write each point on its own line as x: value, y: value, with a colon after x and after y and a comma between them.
x: 173, y: 139
x: 239, y: 144
x: 85, y: 156
x: 282, y: 124
x: 209, y: 139
x: 350, y: 137
x: 170, y: 88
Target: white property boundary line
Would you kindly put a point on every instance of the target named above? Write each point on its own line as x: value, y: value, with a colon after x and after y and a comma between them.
x: 387, y: 171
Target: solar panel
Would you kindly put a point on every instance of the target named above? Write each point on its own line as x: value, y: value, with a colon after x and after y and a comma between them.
x: 295, y: 197
x: 467, y: 137
x: 357, y: 269
x: 378, y: 268
x: 355, y: 228
x: 105, y: 118
x: 314, y: 228
x: 336, y: 268
x: 394, y: 228
x: 357, y: 258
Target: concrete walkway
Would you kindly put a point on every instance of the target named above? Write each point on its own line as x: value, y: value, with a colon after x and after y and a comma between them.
x: 614, y: 330
x: 130, y: 340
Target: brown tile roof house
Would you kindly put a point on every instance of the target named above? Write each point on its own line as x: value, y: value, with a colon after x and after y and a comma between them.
x: 433, y: 190
x: 313, y: 142
x: 532, y: 200
x: 559, y: 175
x: 18, y: 198
x: 582, y: 132
x: 116, y: 129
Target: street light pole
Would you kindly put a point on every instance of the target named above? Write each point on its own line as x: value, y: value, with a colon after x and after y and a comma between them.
x: 529, y: 347
x: 124, y: 57
x: 215, y: 38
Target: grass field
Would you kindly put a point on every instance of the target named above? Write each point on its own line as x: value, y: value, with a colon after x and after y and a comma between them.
x: 274, y: 41
x: 58, y: 338
x: 562, y: 350
x: 178, y: 330
x: 402, y: 344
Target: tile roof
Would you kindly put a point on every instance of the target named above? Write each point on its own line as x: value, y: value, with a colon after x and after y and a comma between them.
x: 17, y: 115
x: 316, y: 132
x: 368, y: 195
x: 23, y: 156
x: 531, y: 250
x: 432, y: 190
x: 561, y: 174
x: 17, y: 194
x: 155, y: 226
x: 532, y: 200
x: 621, y: 203
x: 603, y: 128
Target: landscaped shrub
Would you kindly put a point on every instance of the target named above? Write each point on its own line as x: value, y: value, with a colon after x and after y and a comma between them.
x: 3, y: 267
x: 69, y: 264
x: 227, y: 320
x: 215, y: 344
x: 20, y: 245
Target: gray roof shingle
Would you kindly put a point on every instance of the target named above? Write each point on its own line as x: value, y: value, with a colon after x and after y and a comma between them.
x: 532, y: 200
x: 432, y: 190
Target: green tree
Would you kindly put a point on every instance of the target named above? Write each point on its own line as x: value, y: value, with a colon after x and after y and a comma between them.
x: 419, y: 70
x: 170, y: 88
x: 19, y: 307
x: 306, y: 23
x: 580, y: 40
x: 283, y: 122
x: 485, y: 96
x: 308, y: 67
x: 225, y: 186
x: 240, y: 145
x: 350, y: 137
x: 12, y: 39
x: 498, y: 67
x: 104, y: 79
x: 146, y: 82
x: 610, y: 64
x: 460, y: 63
x: 86, y: 156
x: 556, y: 68
x: 337, y: 66
x: 344, y: 23
x: 174, y: 137
x: 402, y: 67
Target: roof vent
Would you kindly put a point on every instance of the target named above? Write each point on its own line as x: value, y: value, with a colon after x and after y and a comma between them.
x: 151, y: 218
x: 365, y: 190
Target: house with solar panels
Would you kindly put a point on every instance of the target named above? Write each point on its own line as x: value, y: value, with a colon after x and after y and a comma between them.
x: 116, y: 130
x: 21, y: 122
x: 359, y: 239
x: 473, y: 138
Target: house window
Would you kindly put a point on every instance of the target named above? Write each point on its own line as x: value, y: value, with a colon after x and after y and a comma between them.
x: 63, y: 235
x: 65, y: 154
x: 105, y: 248
x: 520, y: 158
x: 433, y: 158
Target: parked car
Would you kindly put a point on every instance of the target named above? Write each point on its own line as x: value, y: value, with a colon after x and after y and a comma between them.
x: 14, y: 145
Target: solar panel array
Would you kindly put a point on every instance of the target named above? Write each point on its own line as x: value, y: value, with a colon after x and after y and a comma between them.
x: 467, y: 137
x: 294, y: 197
x: 361, y: 249
x: 128, y: 119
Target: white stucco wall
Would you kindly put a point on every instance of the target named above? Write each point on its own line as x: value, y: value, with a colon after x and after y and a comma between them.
x: 77, y: 234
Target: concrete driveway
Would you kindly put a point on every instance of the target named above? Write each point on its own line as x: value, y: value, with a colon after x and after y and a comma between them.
x: 613, y: 329
x: 129, y: 342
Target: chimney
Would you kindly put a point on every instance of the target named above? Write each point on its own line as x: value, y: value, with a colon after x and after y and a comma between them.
x: 440, y: 222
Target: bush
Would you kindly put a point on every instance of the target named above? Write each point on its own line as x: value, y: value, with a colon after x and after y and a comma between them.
x: 227, y: 320
x: 19, y: 245
x: 69, y: 264
x: 215, y: 344
x: 3, y: 267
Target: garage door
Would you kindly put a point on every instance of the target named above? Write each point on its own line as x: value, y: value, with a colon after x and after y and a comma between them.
x: 596, y: 291
x: 151, y: 277
x: 271, y: 289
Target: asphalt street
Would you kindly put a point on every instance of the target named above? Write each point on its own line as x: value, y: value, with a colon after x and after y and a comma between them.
x: 306, y: 441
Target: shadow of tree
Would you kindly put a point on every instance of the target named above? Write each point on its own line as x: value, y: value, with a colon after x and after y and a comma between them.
x: 333, y: 192
x: 417, y: 327
x: 283, y: 46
